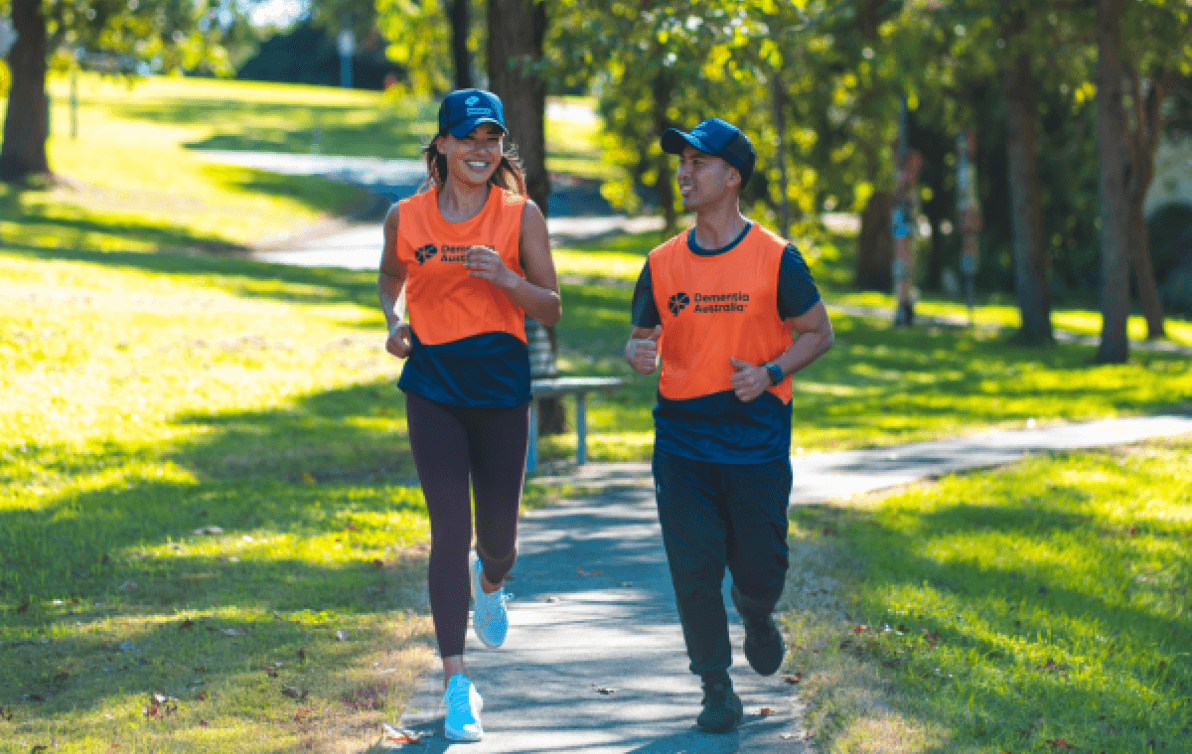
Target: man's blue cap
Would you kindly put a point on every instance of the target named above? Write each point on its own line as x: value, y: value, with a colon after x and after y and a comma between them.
x: 717, y: 138
x: 464, y: 109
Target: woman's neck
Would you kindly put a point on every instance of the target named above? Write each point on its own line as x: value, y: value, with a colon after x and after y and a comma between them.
x: 459, y: 202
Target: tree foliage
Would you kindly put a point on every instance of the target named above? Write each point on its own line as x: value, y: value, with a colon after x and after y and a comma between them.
x: 118, y: 36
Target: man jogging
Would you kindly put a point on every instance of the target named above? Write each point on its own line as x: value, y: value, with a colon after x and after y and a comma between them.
x: 732, y: 310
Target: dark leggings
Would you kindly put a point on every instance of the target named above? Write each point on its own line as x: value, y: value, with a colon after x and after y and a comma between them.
x: 450, y: 445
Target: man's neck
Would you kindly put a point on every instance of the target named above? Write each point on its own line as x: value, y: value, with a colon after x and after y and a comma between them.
x: 717, y: 227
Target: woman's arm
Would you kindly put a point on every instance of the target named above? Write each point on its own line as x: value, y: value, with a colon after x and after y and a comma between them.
x: 391, y: 289
x: 538, y: 292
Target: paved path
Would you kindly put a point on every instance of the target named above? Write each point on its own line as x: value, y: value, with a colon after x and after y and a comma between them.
x: 595, y: 610
x: 577, y: 210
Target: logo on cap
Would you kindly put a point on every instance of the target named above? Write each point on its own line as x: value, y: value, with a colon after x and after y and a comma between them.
x: 472, y: 100
x: 678, y: 302
x: 423, y: 253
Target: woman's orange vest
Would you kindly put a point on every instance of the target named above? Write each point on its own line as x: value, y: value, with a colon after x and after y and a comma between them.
x: 445, y: 303
x: 717, y: 306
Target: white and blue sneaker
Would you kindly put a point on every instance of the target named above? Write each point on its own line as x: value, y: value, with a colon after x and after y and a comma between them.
x: 463, y: 703
x: 490, y: 621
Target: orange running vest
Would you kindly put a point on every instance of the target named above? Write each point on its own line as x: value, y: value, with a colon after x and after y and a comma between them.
x: 714, y: 307
x: 445, y: 303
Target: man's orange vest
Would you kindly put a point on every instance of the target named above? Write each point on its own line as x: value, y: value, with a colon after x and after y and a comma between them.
x: 717, y: 306
x: 445, y: 303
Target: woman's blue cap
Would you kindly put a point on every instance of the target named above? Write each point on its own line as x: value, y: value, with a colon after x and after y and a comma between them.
x: 717, y: 138
x: 464, y: 109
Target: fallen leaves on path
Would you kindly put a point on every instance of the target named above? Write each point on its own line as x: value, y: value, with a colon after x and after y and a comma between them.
x: 399, y: 735
x: 793, y: 677
x: 766, y: 711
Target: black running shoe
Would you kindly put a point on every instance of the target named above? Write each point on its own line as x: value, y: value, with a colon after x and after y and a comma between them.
x: 722, y: 708
x: 763, y: 641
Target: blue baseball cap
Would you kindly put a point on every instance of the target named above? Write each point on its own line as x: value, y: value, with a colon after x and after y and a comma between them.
x: 717, y: 138
x: 464, y: 109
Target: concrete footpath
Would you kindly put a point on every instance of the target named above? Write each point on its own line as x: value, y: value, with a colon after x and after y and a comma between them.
x: 595, y: 662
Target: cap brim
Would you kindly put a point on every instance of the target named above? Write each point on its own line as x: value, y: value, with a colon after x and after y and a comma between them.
x: 675, y: 141
x: 468, y: 126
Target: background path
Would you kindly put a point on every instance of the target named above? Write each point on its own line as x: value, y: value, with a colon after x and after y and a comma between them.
x: 577, y: 210
x: 595, y: 609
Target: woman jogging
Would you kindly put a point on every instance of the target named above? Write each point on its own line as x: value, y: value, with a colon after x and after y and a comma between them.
x: 468, y: 258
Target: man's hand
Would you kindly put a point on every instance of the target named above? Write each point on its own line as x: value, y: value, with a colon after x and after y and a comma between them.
x: 484, y: 262
x: 749, y: 380
x: 400, y: 341
x: 642, y: 353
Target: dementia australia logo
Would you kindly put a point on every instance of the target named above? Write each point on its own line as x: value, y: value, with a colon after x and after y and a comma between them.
x: 423, y: 253
x: 472, y: 100
x: 717, y: 303
x: 677, y: 303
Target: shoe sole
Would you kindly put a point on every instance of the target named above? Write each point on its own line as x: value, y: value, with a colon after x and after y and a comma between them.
x: 462, y: 737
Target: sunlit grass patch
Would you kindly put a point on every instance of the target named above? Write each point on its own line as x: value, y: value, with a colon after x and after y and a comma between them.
x: 1003, y: 611
x: 205, y: 492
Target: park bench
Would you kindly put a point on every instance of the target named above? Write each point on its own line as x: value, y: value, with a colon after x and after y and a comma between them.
x: 546, y: 383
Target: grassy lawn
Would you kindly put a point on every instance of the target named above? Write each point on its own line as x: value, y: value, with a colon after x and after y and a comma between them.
x: 1043, y: 607
x: 878, y: 385
x: 149, y: 398
x: 206, y: 490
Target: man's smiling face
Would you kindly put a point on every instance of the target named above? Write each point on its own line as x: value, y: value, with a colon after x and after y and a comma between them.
x: 704, y: 180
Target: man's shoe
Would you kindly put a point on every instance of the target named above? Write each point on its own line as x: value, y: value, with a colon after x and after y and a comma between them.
x: 722, y: 708
x: 463, y: 703
x: 490, y: 621
x: 763, y: 641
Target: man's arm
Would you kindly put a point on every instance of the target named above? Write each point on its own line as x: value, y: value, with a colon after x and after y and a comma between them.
x: 811, y: 337
x: 642, y: 349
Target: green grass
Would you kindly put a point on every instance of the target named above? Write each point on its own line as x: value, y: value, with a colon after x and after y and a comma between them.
x: 147, y: 397
x: 1002, y: 611
x: 878, y: 386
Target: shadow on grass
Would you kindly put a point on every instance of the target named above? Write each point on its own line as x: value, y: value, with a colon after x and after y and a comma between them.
x: 355, y: 131
x: 243, y: 277
x: 307, y: 499
x: 80, y: 233
x: 1017, y: 698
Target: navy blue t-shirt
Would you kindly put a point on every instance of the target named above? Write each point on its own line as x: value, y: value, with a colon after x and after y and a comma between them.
x: 719, y: 427
x: 487, y: 370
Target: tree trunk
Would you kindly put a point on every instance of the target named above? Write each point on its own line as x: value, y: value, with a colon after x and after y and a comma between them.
x: 516, y: 31
x: 1026, y: 222
x: 25, y: 124
x: 1144, y: 140
x: 664, y: 184
x: 778, y: 91
x: 1114, y: 210
x: 457, y: 12
x: 1144, y: 271
x: 875, y: 245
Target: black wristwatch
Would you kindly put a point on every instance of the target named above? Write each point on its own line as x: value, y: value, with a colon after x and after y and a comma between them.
x: 775, y: 371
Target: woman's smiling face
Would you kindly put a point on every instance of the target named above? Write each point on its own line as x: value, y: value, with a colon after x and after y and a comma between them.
x: 473, y: 159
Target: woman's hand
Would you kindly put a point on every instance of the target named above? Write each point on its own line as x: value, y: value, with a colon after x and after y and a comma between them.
x: 400, y: 341
x: 484, y: 262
